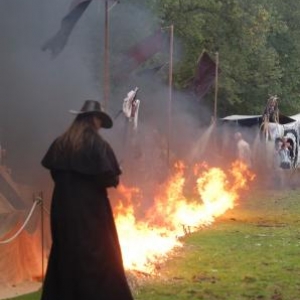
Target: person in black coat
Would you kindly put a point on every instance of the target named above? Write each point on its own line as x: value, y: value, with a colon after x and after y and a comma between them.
x: 85, y: 261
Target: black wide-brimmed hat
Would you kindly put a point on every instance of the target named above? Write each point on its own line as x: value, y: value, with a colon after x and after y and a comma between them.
x: 94, y: 107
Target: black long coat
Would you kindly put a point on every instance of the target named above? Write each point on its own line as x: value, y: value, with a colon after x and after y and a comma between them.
x: 85, y: 260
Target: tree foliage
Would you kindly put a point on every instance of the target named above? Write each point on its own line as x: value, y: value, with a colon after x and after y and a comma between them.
x: 258, y: 44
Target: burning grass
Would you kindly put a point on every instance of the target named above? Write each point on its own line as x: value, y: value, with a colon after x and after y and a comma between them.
x: 250, y: 252
x: 147, y: 241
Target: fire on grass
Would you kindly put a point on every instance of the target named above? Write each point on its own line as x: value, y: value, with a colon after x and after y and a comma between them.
x: 147, y: 242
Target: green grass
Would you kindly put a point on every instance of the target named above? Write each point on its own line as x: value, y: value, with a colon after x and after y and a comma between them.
x: 251, y: 253
x: 32, y: 296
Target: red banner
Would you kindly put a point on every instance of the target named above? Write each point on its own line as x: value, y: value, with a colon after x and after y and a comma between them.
x: 139, y: 53
x: 205, y: 75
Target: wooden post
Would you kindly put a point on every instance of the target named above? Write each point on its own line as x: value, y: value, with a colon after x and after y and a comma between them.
x: 106, y: 87
x: 216, y: 86
x: 170, y: 92
x: 41, y: 196
x: 215, y: 140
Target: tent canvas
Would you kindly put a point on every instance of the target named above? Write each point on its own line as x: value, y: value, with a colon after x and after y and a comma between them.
x: 250, y: 120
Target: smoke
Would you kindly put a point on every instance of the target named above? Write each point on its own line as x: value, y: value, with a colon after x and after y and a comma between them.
x: 36, y: 92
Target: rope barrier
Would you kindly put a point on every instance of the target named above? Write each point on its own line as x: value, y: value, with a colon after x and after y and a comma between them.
x: 37, y: 201
x: 46, y: 210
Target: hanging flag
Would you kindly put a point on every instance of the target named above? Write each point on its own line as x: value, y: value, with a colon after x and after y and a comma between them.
x: 57, y: 43
x: 205, y: 75
x: 146, y: 48
x: 140, y: 53
x: 150, y: 72
x: 76, y: 3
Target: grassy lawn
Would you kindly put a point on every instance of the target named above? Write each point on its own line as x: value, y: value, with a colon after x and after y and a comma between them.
x: 33, y: 296
x: 251, y: 253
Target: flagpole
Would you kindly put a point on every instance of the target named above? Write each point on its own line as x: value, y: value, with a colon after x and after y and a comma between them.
x: 106, y: 59
x: 216, y: 86
x: 170, y: 91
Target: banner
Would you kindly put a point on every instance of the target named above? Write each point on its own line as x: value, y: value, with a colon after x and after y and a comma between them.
x: 57, y: 43
x: 139, y: 53
x: 205, y: 75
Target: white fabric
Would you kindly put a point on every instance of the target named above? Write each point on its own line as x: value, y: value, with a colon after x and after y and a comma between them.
x: 136, y: 113
x: 275, y: 130
x: 240, y: 117
x: 284, y: 154
x: 131, y: 107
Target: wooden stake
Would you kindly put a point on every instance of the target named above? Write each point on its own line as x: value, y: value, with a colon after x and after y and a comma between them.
x: 42, y: 234
x: 216, y: 86
x: 106, y: 87
x: 170, y: 92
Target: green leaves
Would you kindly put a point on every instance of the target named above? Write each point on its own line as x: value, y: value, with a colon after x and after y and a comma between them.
x: 258, y: 44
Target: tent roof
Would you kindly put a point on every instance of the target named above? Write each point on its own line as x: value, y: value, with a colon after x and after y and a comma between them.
x: 240, y: 117
x: 296, y: 117
x: 250, y: 120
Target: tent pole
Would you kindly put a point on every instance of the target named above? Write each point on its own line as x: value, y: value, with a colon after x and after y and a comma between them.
x: 106, y: 58
x: 42, y: 233
x: 170, y: 92
x: 214, y: 118
x: 216, y: 86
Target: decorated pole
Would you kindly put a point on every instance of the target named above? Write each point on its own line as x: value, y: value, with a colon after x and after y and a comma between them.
x: 170, y: 91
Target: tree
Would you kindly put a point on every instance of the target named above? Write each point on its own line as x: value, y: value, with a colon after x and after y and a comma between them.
x: 241, y: 31
x: 287, y: 45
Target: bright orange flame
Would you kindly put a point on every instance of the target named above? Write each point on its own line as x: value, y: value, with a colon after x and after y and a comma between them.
x: 147, y: 242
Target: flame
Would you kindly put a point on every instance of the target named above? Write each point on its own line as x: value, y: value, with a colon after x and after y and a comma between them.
x: 147, y: 241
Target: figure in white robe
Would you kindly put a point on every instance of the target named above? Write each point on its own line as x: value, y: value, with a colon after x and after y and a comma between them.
x: 131, y: 107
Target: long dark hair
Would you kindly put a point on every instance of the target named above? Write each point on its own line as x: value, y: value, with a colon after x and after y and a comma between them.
x: 74, y: 138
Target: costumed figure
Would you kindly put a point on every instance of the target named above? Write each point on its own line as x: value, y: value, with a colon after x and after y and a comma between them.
x: 85, y: 260
x: 270, y: 114
x: 132, y: 151
x: 243, y: 149
x: 131, y: 107
x: 283, y: 162
x: 285, y: 154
